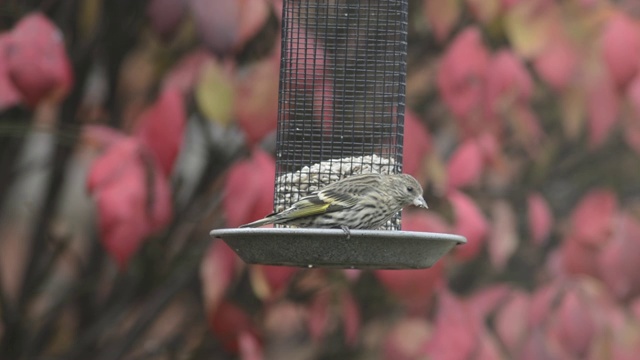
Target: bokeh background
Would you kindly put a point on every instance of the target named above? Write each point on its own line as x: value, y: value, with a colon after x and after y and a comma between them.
x: 129, y: 129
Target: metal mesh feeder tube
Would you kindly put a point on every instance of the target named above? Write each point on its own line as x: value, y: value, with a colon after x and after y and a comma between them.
x: 340, y: 113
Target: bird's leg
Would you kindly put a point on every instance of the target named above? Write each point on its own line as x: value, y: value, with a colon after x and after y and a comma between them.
x: 346, y: 231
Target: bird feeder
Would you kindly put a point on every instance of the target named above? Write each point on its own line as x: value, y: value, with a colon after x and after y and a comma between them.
x: 340, y: 113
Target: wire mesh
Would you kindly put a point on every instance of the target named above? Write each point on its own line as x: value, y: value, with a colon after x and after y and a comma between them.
x: 342, y: 93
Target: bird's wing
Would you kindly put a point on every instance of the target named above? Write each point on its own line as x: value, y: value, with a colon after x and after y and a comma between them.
x: 321, y: 202
x: 332, y: 198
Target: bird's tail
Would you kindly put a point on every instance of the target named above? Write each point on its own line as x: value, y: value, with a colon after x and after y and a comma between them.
x: 258, y: 223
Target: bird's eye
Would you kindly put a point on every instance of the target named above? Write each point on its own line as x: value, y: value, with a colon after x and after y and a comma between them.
x: 410, y: 189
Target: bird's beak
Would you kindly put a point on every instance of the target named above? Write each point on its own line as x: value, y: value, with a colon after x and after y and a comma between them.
x: 419, y: 202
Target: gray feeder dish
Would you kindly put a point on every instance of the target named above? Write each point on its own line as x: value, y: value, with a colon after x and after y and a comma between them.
x: 371, y: 249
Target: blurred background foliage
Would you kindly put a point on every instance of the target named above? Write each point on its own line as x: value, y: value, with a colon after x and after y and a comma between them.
x: 129, y: 129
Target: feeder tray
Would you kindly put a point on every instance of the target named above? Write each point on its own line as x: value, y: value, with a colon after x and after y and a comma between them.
x: 340, y: 112
x: 365, y: 249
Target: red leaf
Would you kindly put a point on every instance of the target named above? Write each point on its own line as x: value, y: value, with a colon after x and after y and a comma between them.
x: 249, y: 189
x: 165, y: 15
x: 465, y: 165
x: 603, y: 105
x: 456, y: 333
x: 539, y: 218
x: 470, y: 223
x: 503, y: 241
x: 217, y: 271
x: 161, y: 127
x: 133, y: 198
x: 351, y: 318
x: 557, y: 63
x: 413, y: 288
x: 319, y: 315
x: 228, y: 323
x: 37, y: 61
x: 621, y: 48
x: 256, y: 104
x: 9, y: 94
x: 417, y: 144
x: 269, y: 281
x: 462, y: 73
x: 406, y: 339
x: 592, y: 218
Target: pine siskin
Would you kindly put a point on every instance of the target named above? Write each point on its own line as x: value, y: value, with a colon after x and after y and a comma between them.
x: 365, y: 201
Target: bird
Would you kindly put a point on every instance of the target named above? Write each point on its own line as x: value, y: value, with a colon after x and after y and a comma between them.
x: 365, y: 202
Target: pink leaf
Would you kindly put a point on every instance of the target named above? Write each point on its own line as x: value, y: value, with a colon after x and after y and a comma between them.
x: 503, y: 241
x: 470, y: 223
x: 456, y: 333
x: 578, y: 257
x: 621, y: 48
x: 631, y: 131
x: 217, y: 271
x: 557, y: 63
x: 36, y: 60
x: 511, y: 325
x: 462, y: 73
x: 603, y: 105
x: 619, y: 261
x: 133, y: 197
x: 442, y: 16
x: 254, y: 14
x: 508, y: 82
x: 417, y: 144
x: 217, y: 24
x: 424, y: 221
x: 484, y: 302
x: 161, y: 127
x: 406, y: 339
x: 165, y: 15
x: 465, y: 165
x: 256, y: 105
x: 573, y: 324
x: 9, y: 94
x: 592, y: 218
x: 351, y: 318
x: 250, y: 348
x: 184, y: 76
x: 539, y: 218
x: 488, y: 348
x: 310, y: 55
x: 249, y: 189
x: 319, y: 315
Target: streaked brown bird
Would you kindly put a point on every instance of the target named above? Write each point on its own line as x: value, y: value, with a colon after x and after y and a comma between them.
x: 364, y: 201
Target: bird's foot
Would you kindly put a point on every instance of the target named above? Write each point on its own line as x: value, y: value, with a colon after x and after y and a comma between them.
x: 346, y: 231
